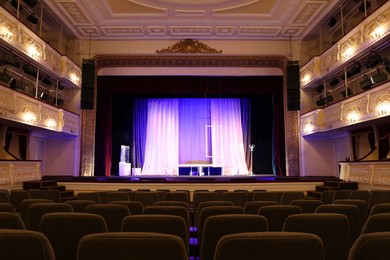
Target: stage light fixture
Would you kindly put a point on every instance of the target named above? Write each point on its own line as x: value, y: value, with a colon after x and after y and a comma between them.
x: 334, y: 81
x: 386, y: 62
x: 10, y: 60
x: 28, y: 69
x: 324, y: 100
x: 372, y: 60
x: 319, y: 88
x: 31, y: 3
x: 47, y: 81
x: 32, y: 19
x: 355, y: 69
x: 362, y: 8
x: 14, y: 4
x: 60, y: 86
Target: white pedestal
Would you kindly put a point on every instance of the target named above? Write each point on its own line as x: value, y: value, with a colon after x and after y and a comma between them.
x: 124, y: 169
x: 136, y: 171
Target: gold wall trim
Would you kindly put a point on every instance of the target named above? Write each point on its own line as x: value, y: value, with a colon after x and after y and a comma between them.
x: 192, y: 60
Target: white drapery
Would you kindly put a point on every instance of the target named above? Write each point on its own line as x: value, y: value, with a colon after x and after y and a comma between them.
x: 167, y: 145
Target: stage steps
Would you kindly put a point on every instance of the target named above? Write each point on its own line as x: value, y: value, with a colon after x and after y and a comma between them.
x: 50, y: 185
x: 331, y: 185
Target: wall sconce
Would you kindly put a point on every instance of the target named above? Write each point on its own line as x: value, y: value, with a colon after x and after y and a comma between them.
x: 73, y: 77
x: 353, y: 116
x: 29, y: 117
x: 51, y: 123
x: 309, y: 127
x: 306, y: 78
x: 349, y: 52
x: 383, y: 108
x: 5, y: 32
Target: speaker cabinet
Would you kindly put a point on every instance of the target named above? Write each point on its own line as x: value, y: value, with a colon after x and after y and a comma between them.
x: 87, y: 84
x: 293, y: 86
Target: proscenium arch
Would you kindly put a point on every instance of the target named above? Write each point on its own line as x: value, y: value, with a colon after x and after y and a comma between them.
x: 192, y: 61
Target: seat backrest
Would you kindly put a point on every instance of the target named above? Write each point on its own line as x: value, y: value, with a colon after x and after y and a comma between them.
x: 79, y: 205
x: 201, y: 196
x: 11, y: 220
x: 37, y: 194
x: 170, y: 210
x: 178, y: 196
x: 215, y: 227
x: 135, y: 207
x: 307, y: 206
x: 350, y: 211
x: 277, y: 214
x: 265, y: 196
x: 377, y: 223
x: 54, y: 195
x: 214, y: 211
x: 37, y: 210
x: 116, y: 196
x: 288, y: 196
x: 131, y: 245
x: 270, y: 245
x: 171, y: 203
x: 17, y: 196
x: 371, y: 246
x: 25, y: 244
x: 341, y: 194
x: 147, y: 198
x: 94, y: 196
x: 252, y: 207
x: 113, y: 214
x: 64, y: 231
x: 359, y: 195
x: 327, y: 196
x: 361, y: 204
x: 205, y: 204
x: 166, y: 224
x: 332, y: 228
x: 4, y: 196
x: 25, y: 205
x: 7, y: 207
x: 377, y: 197
x: 238, y: 198
x: 380, y: 208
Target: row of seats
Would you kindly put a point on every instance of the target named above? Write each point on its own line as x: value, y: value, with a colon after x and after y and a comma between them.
x: 65, y: 229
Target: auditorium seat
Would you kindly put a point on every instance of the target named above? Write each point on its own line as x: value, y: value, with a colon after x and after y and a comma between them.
x: 7, y: 207
x: 341, y: 194
x: 332, y: 228
x: 377, y: 197
x: 208, y: 204
x: 37, y: 194
x: 199, y: 197
x: 170, y: 210
x: 11, y: 220
x: 183, y: 196
x: 307, y: 206
x: 350, y: 211
x: 361, y: 204
x: 220, y: 193
x: 37, y: 210
x: 380, y: 208
x: 377, y: 223
x: 158, y: 223
x: 131, y: 194
x: 4, y: 196
x: 79, y: 205
x: 54, y: 195
x: 116, y: 196
x: 265, y: 196
x: 172, y: 203
x: 289, y: 196
x: 371, y: 246
x: 25, y: 244
x: 25, y: 204
x: 277, y: 214
x: 214, y: 211
x: 17, y: 196
x: 215, y: 227
x: 131, y: 245
x: 327, y: 196
x: 147, y: 198
x: 269, y: 245
x: 64, y: 231
x: 135, y: 207
x: 238, y: 198
x: 112, y: 214
x: 359, y: 195
x: 252, y: 207
x: 94, y: 196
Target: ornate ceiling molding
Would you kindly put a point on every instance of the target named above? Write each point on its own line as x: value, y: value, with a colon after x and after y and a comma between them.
x: 189, y: 46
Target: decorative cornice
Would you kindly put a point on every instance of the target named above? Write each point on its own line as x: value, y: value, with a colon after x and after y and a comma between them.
x: 180, y: 60
x: 189, y: 46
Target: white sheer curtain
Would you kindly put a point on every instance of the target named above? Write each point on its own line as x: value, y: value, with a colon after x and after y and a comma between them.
x: 162, y: 137
x: 227, y: 139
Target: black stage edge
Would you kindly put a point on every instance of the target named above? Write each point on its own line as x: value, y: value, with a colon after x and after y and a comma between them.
x: 191, y: 179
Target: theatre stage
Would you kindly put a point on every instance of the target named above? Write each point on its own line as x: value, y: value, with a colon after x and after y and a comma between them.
x: 191, y: 183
